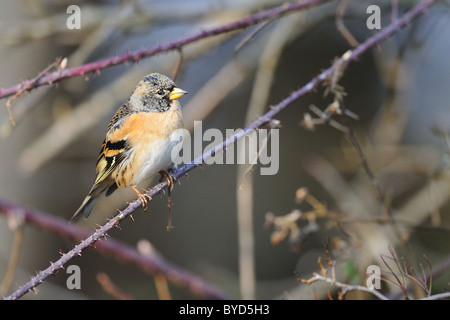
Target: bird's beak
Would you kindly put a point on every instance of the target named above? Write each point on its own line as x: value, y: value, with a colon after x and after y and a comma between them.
x: 176, y: 93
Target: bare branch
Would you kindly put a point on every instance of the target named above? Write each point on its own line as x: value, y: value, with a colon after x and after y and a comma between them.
x: 135, y: 56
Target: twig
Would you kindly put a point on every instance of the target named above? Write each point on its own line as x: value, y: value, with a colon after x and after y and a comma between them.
x: 17, y: 225
x: 380, y: 194
x: 341, y: 26
x: 101, y: 232
x: 423, y: 282
x: 161, y: 287
x: 344, y: 286
x: 177, y: 68
x: 438, y: 269
x: 30, y: 84
x: 399, y: 283
x: 111, y: 288
x: 430, y: 286
x: 250, y: 36
x: 137, y: 55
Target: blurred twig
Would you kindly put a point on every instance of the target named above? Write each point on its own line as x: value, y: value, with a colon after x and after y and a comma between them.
x: 176, y: 70
x: 16, y: 223
x: 250, y: 36
x: 349, y: 56
x: 146, y: 248
x: 111, y: 288
x: 32, y: 82
x: 341, y: 26
x: 368, y: 170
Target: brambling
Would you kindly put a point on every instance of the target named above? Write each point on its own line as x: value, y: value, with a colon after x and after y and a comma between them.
x: 138, y: 141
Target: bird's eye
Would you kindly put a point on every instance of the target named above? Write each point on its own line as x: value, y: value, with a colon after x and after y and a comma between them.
x: 160, y: 92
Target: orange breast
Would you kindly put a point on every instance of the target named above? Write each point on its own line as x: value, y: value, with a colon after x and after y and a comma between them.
x: 141, y: 126
x: 141, y: 131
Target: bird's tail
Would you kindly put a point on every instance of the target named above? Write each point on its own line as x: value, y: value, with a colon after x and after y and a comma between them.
x: 85, y: 208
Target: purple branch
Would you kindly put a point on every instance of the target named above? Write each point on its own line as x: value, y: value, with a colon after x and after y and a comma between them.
x: 347, y: 57
x: 135, y: 56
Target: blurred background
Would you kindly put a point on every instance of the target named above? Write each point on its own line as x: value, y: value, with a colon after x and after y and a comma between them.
x: 252, y: 236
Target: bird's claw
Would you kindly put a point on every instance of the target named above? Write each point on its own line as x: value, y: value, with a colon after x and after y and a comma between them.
x: 143, y: 197
x: 169, y: 178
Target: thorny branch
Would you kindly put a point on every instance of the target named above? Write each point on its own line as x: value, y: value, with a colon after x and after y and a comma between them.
x: 347, y: 57
x: 135, y: 56
x: 151, y: 263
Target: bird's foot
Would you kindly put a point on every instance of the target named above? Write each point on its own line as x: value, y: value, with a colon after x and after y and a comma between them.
x: 169, y: 178
x: 145, y: 198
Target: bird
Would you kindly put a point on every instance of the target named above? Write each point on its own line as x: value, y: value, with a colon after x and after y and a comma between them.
x: 138, y: 141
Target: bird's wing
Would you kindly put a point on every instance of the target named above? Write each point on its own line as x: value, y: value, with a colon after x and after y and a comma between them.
x: 111, y: 155
x: 115, y: 146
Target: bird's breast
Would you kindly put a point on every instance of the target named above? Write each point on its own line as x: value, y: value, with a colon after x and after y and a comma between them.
x: 149, y: 135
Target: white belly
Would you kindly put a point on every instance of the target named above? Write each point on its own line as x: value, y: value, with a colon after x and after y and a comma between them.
x: 157, y: 157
